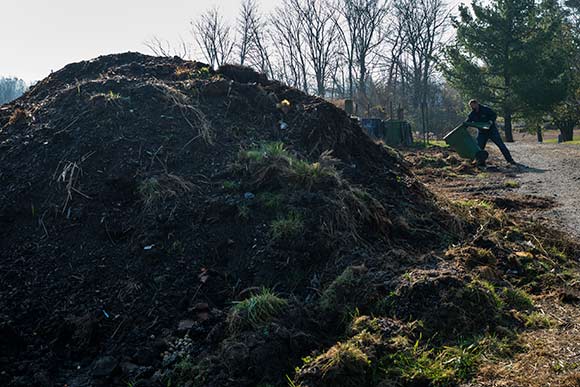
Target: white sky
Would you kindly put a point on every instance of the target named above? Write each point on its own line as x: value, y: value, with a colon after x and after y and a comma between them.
x: 37, y: 36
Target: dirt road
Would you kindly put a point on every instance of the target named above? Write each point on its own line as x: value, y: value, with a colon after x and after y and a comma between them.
x: 554, y: 172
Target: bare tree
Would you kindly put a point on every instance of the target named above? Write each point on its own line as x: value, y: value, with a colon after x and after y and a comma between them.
x: 251, y: 29
x: 213, y: 37
x: 287, y: 37
x: 361, y: 31
x: 162, y: 47
x: 320, y: 34
x: 245, y: 28
x: 423, y: 22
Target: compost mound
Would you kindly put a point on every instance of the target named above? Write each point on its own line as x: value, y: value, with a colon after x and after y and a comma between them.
x: 141, y: 196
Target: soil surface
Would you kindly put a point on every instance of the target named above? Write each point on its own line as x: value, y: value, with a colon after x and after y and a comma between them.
x: 553, y: 172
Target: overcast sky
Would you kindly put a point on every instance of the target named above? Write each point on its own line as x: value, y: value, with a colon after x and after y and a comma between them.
x: 37, y: 36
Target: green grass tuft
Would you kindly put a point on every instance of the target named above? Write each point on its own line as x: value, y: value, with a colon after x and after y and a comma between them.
x: 231, y: 186
x: 537, y: 320
x: 475, y: 203
x: 149, y: 190
x: 270, y: 200
x: 257, y: 310
x: 555, y: 141
x: 271, y: 150
x: 309, y: 174
x: 490, y: 289
x: 288, y: 227
x: 517, y: 299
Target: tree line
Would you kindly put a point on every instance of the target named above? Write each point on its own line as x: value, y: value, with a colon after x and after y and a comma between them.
x: 10, y: 89
x: 415, y: 58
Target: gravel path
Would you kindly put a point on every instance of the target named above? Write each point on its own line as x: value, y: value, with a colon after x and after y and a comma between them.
x: 553, y: 172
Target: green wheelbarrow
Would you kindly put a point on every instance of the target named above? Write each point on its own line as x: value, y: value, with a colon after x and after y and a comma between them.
x: 465, y: 145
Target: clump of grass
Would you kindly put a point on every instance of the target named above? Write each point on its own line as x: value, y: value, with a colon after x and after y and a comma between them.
x: 517, y: 299
x: 442, y: 367
x: 112, y: 96
x: 430, y: 144
x: 537, y: 320
x: 346, y: 293
x: 511, y: 184
x: 344, y: 364
x: 288, y: 227
x: 270, y: 200
x: 343, y: 355
x: 472, y: 256
x: 273, y: 157
x: 493, y: 346
x: 266, y: 151
x: 431, y: 161
x: 489, y: 288
x: 156, y: 188
x: 420, y: 364
x: 475, y: 203
x: 557, y: 253
x: 360, y: 324
x: 16, y: 116
x: 446, y: 366
x: 243, y: 212
x: 308, y: 174
x: 257, y: 310
x: 149, y: 190
x: 203, y: 72
x: 231, y: 186
x: 181, y: 71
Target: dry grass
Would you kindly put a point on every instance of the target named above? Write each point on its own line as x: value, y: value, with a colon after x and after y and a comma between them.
x: 161, y: 187
x: 193, y: 116
x: 69, y: 175
x: 551, y: 357
x: 17, y: 116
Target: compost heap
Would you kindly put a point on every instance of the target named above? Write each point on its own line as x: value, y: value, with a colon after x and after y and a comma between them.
x: 160, y: 226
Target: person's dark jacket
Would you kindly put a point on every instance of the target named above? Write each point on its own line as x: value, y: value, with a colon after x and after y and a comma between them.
x: 484, y: 114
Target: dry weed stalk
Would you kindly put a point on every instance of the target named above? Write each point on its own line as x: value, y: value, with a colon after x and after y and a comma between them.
x: 180, y: 100
x: 70, y: 176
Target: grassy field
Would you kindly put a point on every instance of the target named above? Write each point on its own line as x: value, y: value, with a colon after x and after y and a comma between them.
x: 430, y: 143
x: 555, y: 141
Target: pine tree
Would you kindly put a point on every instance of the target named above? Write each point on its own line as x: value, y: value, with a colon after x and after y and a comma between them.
x: 509, y: 53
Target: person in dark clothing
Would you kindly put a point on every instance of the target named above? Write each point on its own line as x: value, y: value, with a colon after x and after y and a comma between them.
x: 482, y: 113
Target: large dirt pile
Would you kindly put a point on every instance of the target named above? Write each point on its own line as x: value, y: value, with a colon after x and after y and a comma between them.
x: 140, y: 197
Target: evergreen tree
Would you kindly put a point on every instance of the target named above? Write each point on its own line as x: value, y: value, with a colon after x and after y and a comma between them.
x: 509, y: 53
x: 566, y: 115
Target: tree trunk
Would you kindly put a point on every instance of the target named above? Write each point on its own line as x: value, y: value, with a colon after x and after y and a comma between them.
x: 539, y: 134
x: 361, y: 82
x: 509, y: 137
x: 567, y: 132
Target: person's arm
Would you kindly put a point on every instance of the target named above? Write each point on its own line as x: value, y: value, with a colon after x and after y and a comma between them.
x: 471, y: 117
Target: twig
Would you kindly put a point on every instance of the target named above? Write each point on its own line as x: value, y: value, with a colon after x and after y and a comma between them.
x: 118, y: 327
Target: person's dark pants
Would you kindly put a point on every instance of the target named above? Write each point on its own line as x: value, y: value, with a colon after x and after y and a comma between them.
x: 493, y: 134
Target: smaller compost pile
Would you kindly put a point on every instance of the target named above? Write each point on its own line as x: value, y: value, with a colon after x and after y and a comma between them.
x: 158, y: 225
